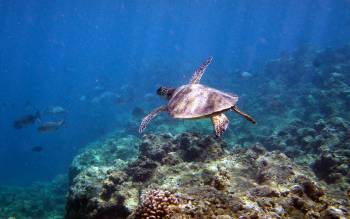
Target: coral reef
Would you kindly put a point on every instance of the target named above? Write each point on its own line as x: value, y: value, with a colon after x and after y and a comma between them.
x: 300, y: 168
x: 112, y: 150
x: 324, y: 147
x: 314, y: 128
x: 244, y: 183
x: 98, y: 163
x: 156, y: 204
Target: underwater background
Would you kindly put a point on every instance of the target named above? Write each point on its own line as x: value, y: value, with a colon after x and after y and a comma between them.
x: 99, y: 63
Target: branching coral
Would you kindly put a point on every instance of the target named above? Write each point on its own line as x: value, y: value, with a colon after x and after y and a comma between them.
x: 157, y: 204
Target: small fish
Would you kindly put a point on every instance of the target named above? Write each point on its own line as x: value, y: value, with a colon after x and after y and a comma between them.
x: 26, y: 120
x: 246, y: 74
x: 99, y: 88
x: 50, y: 126
x: 105, y: 96
x: 54, y: 110
x: 82, y: 98
x: 37, y: 149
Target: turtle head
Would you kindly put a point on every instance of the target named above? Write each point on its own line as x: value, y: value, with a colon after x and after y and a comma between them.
x: 165, y: 92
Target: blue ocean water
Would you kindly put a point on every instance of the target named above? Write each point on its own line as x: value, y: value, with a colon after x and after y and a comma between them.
x: 99, y: 59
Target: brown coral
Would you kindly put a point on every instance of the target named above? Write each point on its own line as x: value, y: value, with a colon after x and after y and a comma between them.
x: 157, y: 204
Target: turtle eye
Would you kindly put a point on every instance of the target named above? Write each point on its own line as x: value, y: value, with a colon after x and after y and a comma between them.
x: 160, y: 91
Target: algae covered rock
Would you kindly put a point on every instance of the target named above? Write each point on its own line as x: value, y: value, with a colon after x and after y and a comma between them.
x: 94, y: 174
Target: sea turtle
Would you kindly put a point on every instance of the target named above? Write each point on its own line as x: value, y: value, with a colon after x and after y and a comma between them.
x: 195, y: 101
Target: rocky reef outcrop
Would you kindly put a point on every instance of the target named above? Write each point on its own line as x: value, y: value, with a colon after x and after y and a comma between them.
x: 194, y: 176
x: 323, y: 146
x: 307, y: 96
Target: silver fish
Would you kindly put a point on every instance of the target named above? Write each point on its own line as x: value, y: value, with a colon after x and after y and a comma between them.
x: 50, y: 126
x: 55, y: 110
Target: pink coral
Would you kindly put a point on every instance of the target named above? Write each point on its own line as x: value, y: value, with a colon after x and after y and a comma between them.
x: 157, y: 204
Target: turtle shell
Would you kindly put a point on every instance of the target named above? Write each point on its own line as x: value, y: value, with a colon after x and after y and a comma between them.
x: 196, y: 100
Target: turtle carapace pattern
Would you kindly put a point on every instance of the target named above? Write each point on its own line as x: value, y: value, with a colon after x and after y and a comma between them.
x: 196, y: 101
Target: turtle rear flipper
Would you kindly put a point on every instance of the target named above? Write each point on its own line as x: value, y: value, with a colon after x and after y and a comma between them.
x: 246, y: 116
x: 200, y: 71
x: 220, y: 123
x: 150, y: 116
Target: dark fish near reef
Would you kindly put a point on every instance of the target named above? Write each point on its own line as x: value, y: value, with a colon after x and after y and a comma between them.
x: 37, y: 149
x: 54, y: 110
x: 50, y: 126
x: 26, y: 120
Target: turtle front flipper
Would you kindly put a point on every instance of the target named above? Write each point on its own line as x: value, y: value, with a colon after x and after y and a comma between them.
x: 150, y: 116
x: 220, y: 123
x: 246, y: 116
x: 200, y: 71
